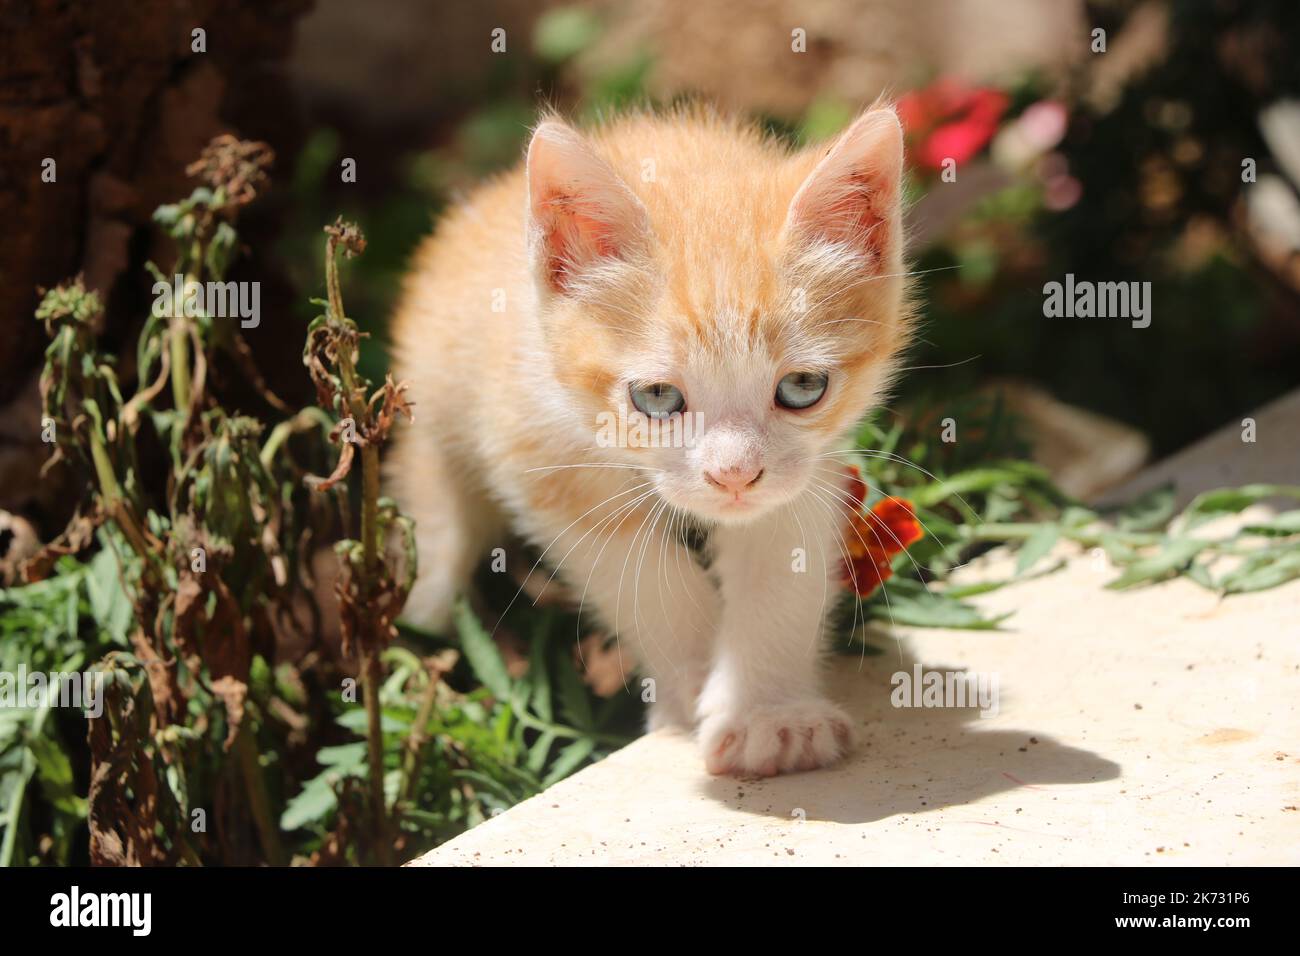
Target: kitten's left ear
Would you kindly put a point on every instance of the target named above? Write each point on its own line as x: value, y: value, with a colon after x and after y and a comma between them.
x: 580, y: 211
x: 852, y: 197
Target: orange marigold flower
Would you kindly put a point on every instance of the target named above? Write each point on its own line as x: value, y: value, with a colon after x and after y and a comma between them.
x: 863, y: 575
x: 894, y: 519
x: 875, y: 537
x: 857, y: 487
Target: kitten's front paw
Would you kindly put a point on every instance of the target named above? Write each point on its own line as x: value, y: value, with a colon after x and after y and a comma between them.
x: 779, y: 738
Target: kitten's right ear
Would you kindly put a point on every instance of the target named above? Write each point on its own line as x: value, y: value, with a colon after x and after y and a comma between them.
x: 580, y: 211
x: 852, y: 197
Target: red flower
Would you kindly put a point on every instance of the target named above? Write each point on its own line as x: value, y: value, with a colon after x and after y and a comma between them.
x: 895, y: 520
x: 875, y: 537
x: 949, y: 120
x: 868, y: 572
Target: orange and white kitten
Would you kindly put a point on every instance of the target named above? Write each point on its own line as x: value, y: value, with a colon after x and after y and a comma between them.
x: 687, y: 270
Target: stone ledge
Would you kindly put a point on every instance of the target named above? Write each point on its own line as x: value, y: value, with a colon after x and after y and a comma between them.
x: 1157, y: 726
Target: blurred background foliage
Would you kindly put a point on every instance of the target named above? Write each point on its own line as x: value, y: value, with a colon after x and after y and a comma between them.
x: 1144, y: 183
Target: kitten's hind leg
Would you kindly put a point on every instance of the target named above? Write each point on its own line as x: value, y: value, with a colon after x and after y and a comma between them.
x: 454, y: 526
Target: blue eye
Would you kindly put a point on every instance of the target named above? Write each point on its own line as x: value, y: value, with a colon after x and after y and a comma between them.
x: 801, y: 389
x: 658, y: 400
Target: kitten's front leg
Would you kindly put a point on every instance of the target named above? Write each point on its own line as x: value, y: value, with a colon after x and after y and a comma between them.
x: 643, y: 583
x: 763, y: 710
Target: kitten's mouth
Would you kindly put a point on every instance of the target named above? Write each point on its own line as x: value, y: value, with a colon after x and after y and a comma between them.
x: 732, y: 505
x: 730, y: 501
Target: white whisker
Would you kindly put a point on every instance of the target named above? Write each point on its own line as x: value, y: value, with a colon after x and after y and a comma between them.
x: 542, y: 556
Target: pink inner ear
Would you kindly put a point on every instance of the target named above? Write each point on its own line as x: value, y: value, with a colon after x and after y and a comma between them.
x: 573, y: 238
x: 581, y: 211
x: 850, y: 205
x: 851, y: 197
x: 854, y: 215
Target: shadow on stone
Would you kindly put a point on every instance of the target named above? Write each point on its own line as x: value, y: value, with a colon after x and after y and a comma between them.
x: 912, y: 760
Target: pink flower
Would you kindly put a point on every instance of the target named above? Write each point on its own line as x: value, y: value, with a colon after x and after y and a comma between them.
x: 1040, y: 128
x: 1043, y: 124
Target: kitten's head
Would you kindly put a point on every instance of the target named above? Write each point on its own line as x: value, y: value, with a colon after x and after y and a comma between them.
x: 719, y: 311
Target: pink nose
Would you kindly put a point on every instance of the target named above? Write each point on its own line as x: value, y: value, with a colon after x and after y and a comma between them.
x: 733, y: 480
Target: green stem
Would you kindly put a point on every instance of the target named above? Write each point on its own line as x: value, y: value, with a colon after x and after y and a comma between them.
x: 305, y: 419
x: 104, y: 474
x: 179, y: 343
x: 370, y: 667
x: 375, y: 749
x: 179, y: 332
x: 116, y: 505
x: 259, y: 803
x: 416, y: 739
x: 369, y: 511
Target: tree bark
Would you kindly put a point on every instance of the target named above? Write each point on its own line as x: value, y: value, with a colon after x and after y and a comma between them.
x: 117, y: 96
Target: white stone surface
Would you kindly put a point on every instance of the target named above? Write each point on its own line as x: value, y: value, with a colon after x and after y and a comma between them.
x: 1153, y: 726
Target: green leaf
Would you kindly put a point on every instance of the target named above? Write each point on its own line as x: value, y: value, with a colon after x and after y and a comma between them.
x: 1012, y: 474
x: 1036, y: 547
x: 1149, y: 512
x: 575, y: 702
x: 54, y: 771
x: 570, y: 758
x: 345, y: 757
x: 1174, y: 556
x: 487, y: 784
x: 540, y: 750
x: 1075, y: 517
x: 1222, y: 501
x: 1198, y: 573
x: 971, y: 590
x: 1260, y: 572
x: 934, y: 610
x: 109, y: 605
x: 1235, y: 499
x: 1286, y: 523
x: 539, y: 672
x: 481, y: 652
x: 357, y: 721
x: 314, y: 802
